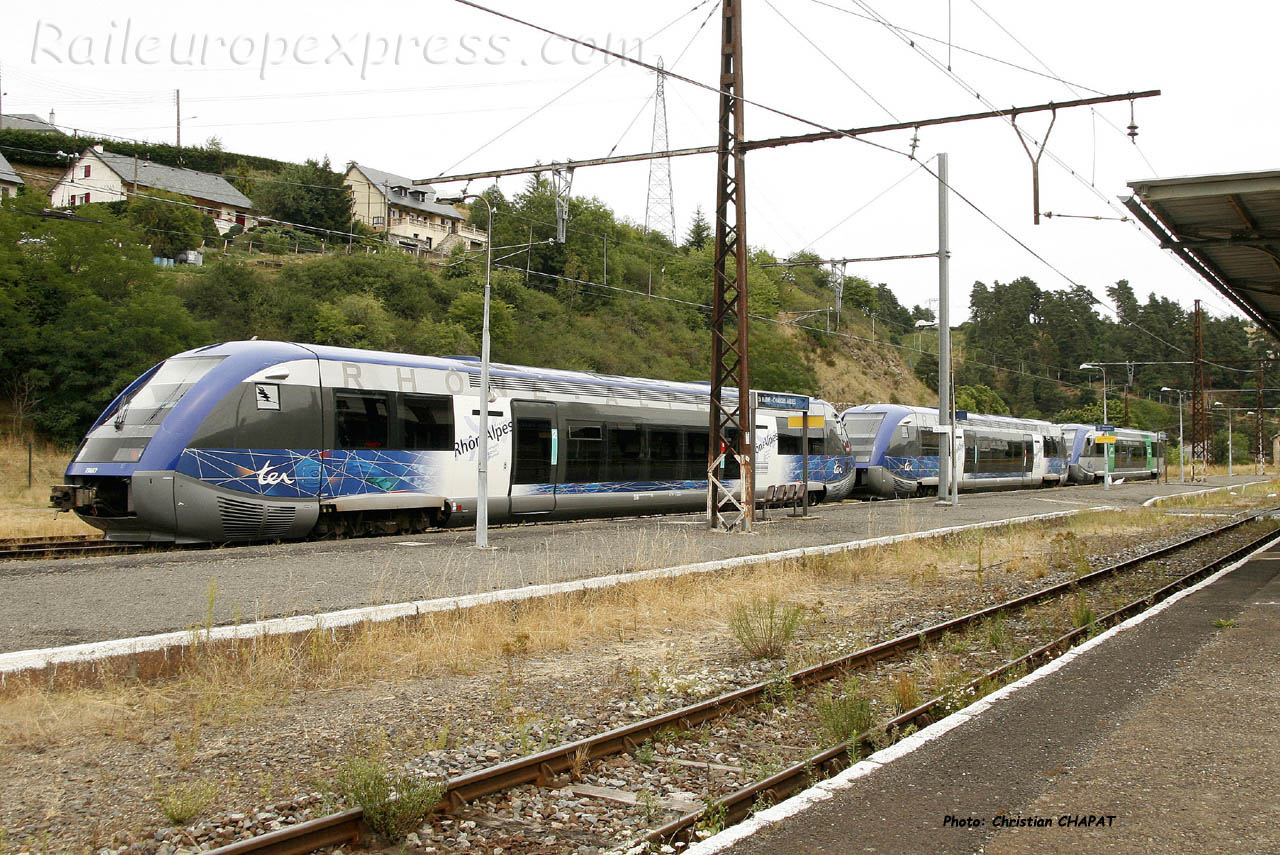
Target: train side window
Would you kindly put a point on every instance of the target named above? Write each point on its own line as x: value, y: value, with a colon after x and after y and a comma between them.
x: 664, y: 454
x: 584, y: 461
x: 237, y: 422
x: 360, y: 420
x: 928, y: 441
x: 626, y: 454
x: 695, y: 455
x: 426, y: 422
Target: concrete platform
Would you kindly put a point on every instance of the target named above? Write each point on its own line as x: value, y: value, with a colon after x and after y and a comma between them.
x: 1163, y: 738
x: 73, y: 601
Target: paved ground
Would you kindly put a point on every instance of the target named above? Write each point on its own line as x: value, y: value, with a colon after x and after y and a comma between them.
x: 1172, y: 728
x: 52, y: 603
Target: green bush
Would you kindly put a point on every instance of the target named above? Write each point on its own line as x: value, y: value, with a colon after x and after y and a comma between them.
x: 394, y: 804
x: 764, y: 627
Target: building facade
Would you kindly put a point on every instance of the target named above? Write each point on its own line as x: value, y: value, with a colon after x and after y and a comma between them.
x: 10, y: 181
x: 102, y: 176
x: 408, y: 215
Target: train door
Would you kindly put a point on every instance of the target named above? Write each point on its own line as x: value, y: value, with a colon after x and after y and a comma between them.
x: 1038, y: 467
x: 534, y: 453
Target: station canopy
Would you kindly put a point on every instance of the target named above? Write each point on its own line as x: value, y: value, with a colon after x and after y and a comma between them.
x: 1226, y: 228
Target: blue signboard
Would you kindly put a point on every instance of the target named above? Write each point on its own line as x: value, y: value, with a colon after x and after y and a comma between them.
x: 777, y: 401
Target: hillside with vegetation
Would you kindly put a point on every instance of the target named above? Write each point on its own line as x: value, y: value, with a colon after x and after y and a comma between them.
x: 83, y: 310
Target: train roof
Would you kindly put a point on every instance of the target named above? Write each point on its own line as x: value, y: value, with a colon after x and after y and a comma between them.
x: 992, y: 421
x: 285, y: 351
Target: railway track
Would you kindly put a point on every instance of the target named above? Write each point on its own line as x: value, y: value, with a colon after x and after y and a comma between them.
x: 61, y: 546
x: 557, y: 767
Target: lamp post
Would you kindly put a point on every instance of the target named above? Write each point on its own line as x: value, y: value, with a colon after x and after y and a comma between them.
x: 482, y: 464
x: 1182, y: 466
x: 1230, y: 447
x: 1095, y: 367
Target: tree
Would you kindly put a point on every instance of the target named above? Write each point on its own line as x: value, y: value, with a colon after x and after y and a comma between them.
x: 308, y: 194
x: 981, y: 399
x: 82, y: 313
x: 699, y: 231
x: 172, y: 223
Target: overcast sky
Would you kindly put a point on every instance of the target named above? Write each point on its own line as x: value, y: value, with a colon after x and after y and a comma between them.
x: 427, y: 88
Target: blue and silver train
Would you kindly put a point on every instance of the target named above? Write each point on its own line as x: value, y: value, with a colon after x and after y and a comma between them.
x: 264, y: 440
x: 896, y: 451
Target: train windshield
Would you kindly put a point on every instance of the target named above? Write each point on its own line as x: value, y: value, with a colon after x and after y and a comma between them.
x: 862, y: 429
x: 125, y: 431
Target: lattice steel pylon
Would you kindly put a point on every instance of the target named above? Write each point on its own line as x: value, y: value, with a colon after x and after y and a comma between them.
x: 730, y: 454
x: 660, y: 206
x: 1199, y: 403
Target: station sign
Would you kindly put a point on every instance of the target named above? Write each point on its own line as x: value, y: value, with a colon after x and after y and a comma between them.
x: 799, y: 421
x: 1105, y: 439
x: 778, y: 401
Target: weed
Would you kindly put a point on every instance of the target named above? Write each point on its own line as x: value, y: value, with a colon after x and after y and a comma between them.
x: 1081, y: 613
x: 394, y: 804
x: 765, y: 626
x: 186, y: 744
x: 440, y: 741
x: 844, y: 714
x: 644, y: 753
x: 780, y: 691
x: 714, y: 816
x: 1224, y: 623
x: 906, y: 691
x: 650, y: 804
x: 578, y: 764
x: 996, y: 632
x: 955, y: 698
x: 182, y: 803
x: 763, y: 802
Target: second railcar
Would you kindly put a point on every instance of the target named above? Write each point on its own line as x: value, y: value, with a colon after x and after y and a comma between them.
x: 896, y: 451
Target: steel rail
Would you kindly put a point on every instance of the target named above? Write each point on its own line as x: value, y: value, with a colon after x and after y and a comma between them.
x: 62, y: 544
x: 740, y: 804
x: 543, y: 768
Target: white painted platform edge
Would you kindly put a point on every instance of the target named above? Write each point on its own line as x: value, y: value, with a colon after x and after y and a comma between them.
x: 1155, y: 500
x: 23, y: 660
x: 805, y: 799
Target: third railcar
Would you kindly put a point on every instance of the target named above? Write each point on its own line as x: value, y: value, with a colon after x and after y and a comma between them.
x: 1133, y: 453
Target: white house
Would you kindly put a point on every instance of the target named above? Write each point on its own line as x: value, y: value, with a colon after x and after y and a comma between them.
x: 10, y: 181
x: 409, y: 214
x: 101, y: 176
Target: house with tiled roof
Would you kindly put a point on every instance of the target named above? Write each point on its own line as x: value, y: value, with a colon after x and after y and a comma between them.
x: 408, y: 214
x: 103, y: 176
x: 28, y: 122
x: 10, y: 181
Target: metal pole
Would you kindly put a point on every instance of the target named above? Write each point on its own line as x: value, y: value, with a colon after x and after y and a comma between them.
x: 1230, y: 470
x: 177, y: 112
x: 804, y: 466
x: 1182, y: 451
x: 482, y: 472
x: 1104, y: 395
x: 944, y: 338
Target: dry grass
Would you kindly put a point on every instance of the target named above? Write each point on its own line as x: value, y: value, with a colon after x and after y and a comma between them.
x: 229, y: 683
x: 24, y: 511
